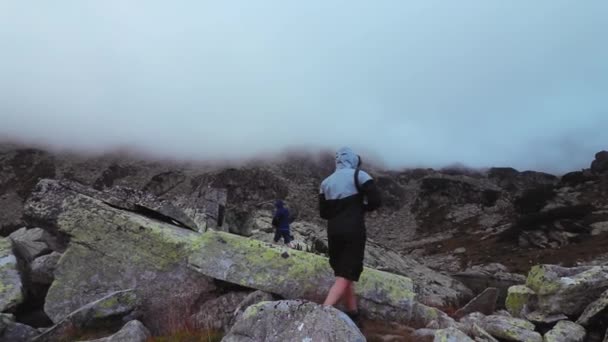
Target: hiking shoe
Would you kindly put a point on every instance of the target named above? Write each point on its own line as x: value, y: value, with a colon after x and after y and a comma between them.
x: 356, y: 318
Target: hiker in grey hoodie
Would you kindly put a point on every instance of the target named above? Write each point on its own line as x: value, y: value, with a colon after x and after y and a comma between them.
x: 345, y: 196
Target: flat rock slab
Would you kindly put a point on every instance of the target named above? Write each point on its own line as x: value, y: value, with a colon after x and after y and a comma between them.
x: 295, y: 274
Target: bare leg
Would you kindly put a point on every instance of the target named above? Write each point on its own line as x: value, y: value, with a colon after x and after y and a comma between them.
x: 337, y: 291
x: 350, y: 300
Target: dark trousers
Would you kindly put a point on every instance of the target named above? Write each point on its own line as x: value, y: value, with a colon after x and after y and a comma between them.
x: 282, y: 233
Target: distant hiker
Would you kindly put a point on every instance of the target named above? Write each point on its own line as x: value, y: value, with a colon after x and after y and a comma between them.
x: 280, y: 221
x: 344, y: 198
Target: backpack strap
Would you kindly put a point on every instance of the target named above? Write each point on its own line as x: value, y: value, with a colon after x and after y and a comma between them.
x: 357, y: 185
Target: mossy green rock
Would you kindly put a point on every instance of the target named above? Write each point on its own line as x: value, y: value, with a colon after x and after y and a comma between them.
x: 518, y: 297
x: 170, y: 268
x: 112, y: 250
x: 295, y: 274
x: 10, y: 281
x: 566, y: 331
x: 562, y: 290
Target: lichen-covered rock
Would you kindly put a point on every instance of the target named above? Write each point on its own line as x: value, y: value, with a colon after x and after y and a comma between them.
x: 13, y: 331
x: 518, y: 298
x: 111, y: 250
x: 105, y: 312
x: 451, y: 335
x: 296, y: 274
x: 218, y: 313
x: 566, y: 290
x: 10, y: 282
x: 565, y: 331
x: 134, y: 331
x: 485, y: 303
x: 593, y: 309
x: 293, y: 320
x: 538, y: 317
x: 432, y: 288
x: 511, y: 329
x: 32, y: 243
x: 42, y: 268
x: 170, y: 267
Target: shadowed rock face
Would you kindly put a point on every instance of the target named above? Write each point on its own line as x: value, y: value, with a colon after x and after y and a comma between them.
x: 10, y: 281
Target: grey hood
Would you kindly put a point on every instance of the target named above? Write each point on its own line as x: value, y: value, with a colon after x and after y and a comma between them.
x: 346, y: 159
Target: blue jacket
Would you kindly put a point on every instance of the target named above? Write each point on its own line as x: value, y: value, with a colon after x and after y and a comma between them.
x: 281, y: 216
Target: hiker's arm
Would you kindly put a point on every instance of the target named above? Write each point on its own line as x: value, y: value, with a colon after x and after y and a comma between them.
x: 323, y: 207
x: 372, y: 194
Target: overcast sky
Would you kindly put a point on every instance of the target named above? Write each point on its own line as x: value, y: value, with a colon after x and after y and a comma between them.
x: 417, y: 83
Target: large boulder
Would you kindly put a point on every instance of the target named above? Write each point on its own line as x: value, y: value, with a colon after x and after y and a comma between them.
x: 293, y: 320
x: 11, y: 290
x: 42, y: 269
x: 561, y: 290
x: 32, y: 243
x: 171, y: 268
x: 290, y: 273
x: 106, y: 312
x: 111, y: 250
x: 295, y: 274
x: 593, y: 312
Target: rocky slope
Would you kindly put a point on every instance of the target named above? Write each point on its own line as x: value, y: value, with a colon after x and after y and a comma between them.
x: 453, y: 233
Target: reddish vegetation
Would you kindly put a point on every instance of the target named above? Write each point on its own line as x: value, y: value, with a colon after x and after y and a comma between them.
x: 380, y: 331
x: 518, y: 259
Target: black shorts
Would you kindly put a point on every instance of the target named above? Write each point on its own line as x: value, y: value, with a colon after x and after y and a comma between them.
x: 346, y: 252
